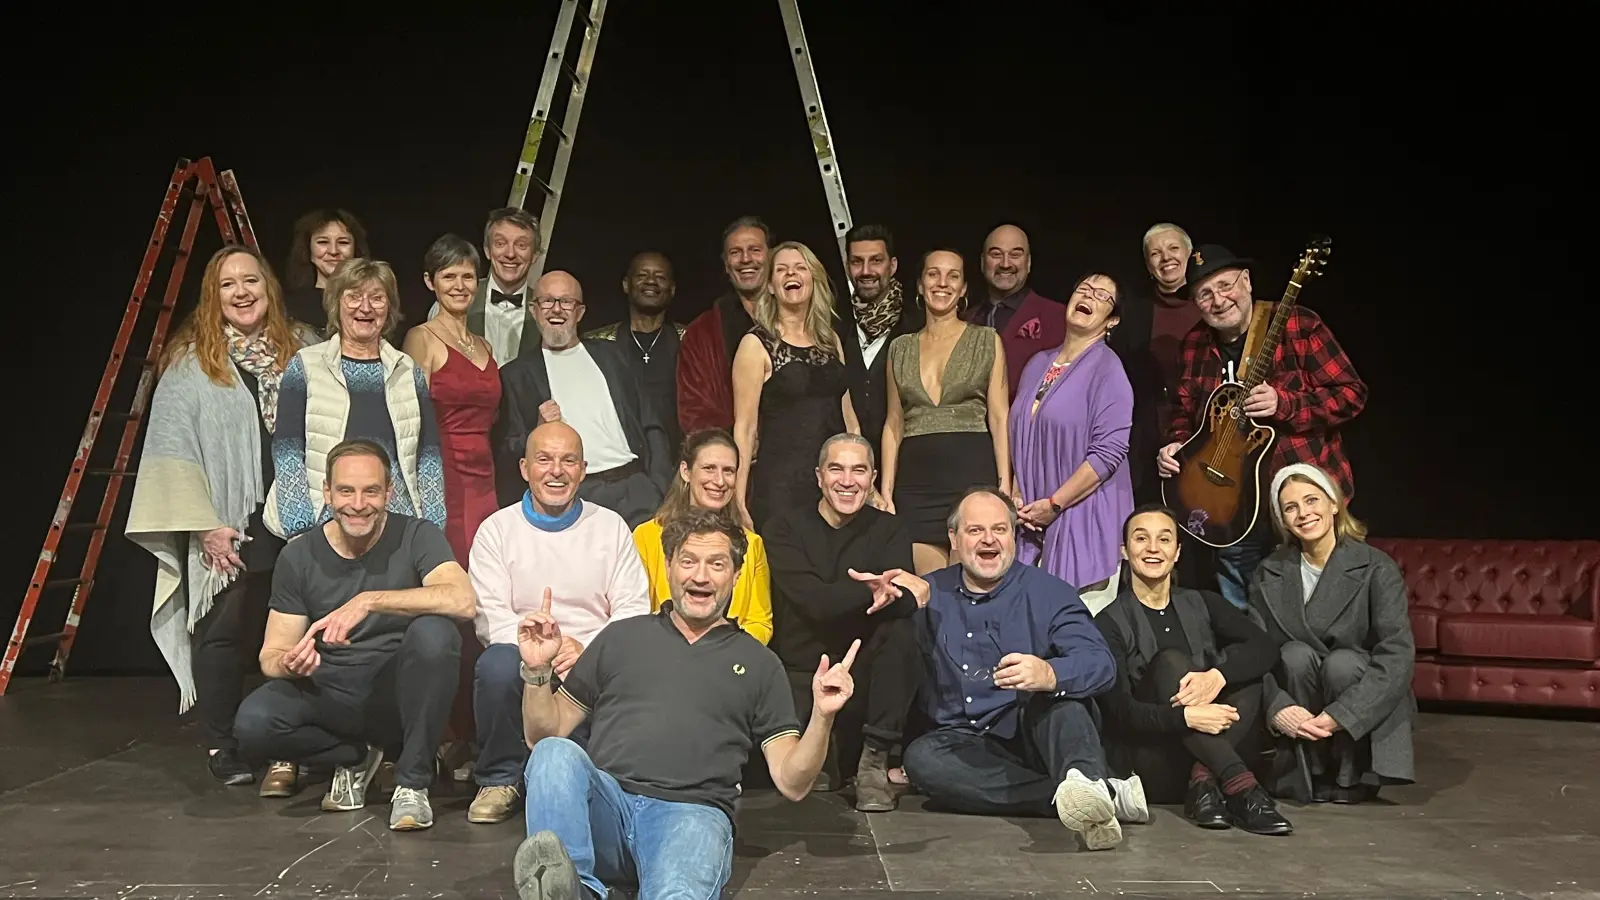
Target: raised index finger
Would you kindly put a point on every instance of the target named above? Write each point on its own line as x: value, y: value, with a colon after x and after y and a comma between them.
x: 850, y: 656
x: 546, y: 600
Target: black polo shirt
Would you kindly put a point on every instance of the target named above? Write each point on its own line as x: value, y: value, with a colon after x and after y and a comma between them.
x: 677, y: 721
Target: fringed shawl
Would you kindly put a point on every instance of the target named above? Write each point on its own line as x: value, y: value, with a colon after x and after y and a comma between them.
x: 200, y: 470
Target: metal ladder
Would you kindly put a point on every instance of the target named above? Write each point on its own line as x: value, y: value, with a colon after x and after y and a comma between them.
x: 556, y: 70
x: 221, y: 192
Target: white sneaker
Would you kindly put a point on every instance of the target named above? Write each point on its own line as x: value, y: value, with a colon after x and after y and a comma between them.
x: 411, y: 810
x: 1086, y: 809
x: 1128, y: 795
x: 348, y: 791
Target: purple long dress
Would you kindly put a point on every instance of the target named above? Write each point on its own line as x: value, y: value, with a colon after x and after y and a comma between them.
x: 1086, y: 415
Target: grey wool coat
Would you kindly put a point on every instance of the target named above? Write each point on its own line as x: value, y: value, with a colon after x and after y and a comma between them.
x: 1359, y: 604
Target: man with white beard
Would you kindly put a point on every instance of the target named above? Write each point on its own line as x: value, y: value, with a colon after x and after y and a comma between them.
x: 588, y: 385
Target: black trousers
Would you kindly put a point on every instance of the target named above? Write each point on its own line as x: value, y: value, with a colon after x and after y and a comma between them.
x: 227, y: 647
x: 1314, y: 682
x: 632, y: 496
x: 329, y: 719
x: 887, y: 673
x: 1163, y: 762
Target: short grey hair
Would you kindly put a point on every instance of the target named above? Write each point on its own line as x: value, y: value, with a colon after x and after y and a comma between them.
x: 515, y: 215
x: 845, y: 437
x: 953, y: 523
x: 1158, y: 228
x: 450, y: 250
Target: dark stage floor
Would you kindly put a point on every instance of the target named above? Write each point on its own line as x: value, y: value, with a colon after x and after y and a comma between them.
x: 103, y: 795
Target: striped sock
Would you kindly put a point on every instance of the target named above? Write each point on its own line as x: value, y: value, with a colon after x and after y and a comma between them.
x: 1240, y: 783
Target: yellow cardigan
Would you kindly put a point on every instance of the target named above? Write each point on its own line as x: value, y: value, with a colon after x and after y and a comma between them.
x: 752, y: 593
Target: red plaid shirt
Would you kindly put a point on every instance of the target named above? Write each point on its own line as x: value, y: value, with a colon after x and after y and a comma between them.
x: 1318, y: 390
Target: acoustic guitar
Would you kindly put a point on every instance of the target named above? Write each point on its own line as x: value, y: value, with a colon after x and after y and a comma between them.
x: 1217, y: 491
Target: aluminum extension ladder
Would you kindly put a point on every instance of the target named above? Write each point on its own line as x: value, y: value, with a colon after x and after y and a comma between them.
x: 221, y: 192
x: 557, y: 70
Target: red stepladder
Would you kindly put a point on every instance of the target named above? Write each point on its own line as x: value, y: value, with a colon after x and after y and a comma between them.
x: 204, y: 186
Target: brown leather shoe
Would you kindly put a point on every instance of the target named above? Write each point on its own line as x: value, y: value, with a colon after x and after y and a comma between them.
x: 873, y: 793
x: 282, y: 780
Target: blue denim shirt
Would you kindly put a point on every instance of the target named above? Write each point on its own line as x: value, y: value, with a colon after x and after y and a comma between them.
x: 963, y: 636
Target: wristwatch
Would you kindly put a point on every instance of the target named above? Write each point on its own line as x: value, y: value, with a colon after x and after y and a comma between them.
x: 529, y: 677
x: 1056, y: 507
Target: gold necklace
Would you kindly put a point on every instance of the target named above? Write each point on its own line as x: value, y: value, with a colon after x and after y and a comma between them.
x: 465, y: 343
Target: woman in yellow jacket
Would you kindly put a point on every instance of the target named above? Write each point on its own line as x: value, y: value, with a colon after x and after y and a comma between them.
x: 706, y: 472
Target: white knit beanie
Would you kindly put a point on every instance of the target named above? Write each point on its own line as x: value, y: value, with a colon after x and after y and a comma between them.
x: 1316, y: 475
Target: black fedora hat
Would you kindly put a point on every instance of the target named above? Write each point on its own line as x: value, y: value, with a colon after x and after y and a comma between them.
x: 1208, y: 260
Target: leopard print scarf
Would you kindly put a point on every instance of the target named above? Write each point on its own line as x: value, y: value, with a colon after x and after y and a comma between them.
x: 874, y: 319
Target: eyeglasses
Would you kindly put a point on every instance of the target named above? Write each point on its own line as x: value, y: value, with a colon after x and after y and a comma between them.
x: 1104, y: 296
x: 985, y: 675
x: 353, y: 299
x: 567, y: 303
x: 1219, y: 288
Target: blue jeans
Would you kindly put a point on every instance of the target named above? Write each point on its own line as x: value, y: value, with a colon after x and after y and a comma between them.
x: 671, y: 850
x: 1236, y: 565
x: 497, y: 707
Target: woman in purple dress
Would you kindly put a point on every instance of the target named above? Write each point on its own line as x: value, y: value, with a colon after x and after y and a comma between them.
x: 1069, y: 445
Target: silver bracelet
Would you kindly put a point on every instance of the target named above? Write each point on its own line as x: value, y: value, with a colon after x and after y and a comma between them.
x: 537, y: 680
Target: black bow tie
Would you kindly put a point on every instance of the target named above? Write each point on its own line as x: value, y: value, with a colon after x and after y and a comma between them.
x: 507, y: 299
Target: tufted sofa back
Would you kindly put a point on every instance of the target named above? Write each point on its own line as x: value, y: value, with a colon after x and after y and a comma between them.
x: 1543, y: 578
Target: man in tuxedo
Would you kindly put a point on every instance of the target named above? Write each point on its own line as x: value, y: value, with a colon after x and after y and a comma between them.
x: 499, y: 310
x: 587, y: 384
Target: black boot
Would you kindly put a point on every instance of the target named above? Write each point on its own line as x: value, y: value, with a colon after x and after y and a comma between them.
x: 1204, y: 805
x: 1255, y: 812
x: 227, y: 768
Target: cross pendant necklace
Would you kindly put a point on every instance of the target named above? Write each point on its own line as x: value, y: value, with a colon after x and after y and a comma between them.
x: 642, y: 348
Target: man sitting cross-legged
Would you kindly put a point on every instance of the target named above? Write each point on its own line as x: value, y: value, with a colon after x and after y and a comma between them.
x: 1012, y: 659
x: 677, y: 701
x: 360, y: 645
x: 552, y: 545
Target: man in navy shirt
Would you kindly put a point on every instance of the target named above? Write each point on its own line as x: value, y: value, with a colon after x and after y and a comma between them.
x: 1012, y: 659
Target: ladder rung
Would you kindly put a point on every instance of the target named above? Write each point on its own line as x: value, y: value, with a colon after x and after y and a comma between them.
x: 572, y: 76
x: 44, y: 639
x: 106, y: 473
x: 54, y: 583
x: 122, y: 415
x: 83, y: 526
x: 581, y: 13
x: 541, y: 184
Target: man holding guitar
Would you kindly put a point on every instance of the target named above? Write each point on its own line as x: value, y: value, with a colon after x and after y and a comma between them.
x: 1304, y: 389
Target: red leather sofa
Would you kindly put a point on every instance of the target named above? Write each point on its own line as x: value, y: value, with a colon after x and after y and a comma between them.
x: 1504, y: 621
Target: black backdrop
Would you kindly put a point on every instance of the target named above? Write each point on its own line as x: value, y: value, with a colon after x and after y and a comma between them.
x: 1442, y: 165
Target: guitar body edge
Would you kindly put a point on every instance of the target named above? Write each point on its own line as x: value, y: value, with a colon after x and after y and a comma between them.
x: 1217, y: 491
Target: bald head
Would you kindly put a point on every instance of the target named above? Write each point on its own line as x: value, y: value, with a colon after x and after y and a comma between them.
x: 1007, y: 261
x: 553, y: 467
x: 557, y: 309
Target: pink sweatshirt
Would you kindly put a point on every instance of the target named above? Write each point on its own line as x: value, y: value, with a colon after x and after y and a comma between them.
x: 592, y: 569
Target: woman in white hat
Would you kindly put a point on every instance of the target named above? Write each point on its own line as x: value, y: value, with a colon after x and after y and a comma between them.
x: 1337, y: 609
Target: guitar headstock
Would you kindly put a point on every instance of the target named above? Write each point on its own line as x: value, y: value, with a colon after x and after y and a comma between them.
x: 1314, y: 259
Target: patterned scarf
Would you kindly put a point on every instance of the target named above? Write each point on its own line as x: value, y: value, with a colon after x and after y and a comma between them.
x: 260, y: 358
x: 876, y: 318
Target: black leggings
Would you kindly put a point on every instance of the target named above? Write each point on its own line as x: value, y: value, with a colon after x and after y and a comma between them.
x: 227, y: 647
x: 1163, y: 762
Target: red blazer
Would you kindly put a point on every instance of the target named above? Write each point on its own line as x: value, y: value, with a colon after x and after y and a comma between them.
x: 705, y: 365
x: 1038, y: 324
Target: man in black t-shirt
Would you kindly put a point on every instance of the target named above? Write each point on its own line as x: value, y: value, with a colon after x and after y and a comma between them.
x: 675, y: 702
x: 359, y: 645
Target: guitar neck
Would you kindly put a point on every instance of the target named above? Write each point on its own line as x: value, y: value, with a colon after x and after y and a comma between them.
x: 1261, y: 362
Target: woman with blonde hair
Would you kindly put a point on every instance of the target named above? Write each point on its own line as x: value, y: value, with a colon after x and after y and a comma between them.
x: 1336, y: 607
x: 708, y: 469
x: 355, y: 386
x: 790, y: 387
x: 203, y: 479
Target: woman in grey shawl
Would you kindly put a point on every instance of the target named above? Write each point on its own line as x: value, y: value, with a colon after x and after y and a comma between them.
x: 1336, y: 607
x: 203, y: 477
